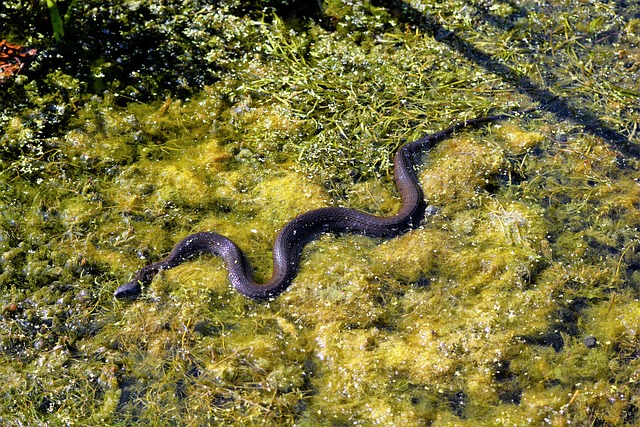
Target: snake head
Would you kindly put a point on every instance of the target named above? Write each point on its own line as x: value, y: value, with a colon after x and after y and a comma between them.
x: 130, y: 290
x: 133, y: 289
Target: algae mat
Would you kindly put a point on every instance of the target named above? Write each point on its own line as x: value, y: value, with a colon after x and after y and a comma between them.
x: 515, y: 303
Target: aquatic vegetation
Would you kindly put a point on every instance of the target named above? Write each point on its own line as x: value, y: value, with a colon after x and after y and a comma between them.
x: 515, y: 303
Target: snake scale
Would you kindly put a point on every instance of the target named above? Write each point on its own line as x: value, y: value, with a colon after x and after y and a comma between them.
x: 293, y: 236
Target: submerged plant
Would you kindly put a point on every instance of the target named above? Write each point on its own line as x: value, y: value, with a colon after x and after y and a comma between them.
x: 514, y: 303
x: 58, y: 23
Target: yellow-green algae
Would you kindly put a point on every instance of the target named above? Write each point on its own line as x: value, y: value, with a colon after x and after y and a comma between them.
x: 476, y: 318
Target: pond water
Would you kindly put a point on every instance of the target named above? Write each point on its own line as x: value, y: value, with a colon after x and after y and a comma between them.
x: 514, y: 303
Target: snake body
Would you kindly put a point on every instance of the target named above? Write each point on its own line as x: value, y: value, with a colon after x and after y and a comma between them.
x: 293, y: 236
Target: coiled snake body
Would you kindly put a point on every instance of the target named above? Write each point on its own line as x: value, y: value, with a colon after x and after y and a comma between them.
x: 290, y: 240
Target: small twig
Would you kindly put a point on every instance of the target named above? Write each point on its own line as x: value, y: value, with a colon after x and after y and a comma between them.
x: 613, y: 299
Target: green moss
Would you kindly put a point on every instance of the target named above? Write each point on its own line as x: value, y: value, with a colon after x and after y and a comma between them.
x: 479, y: 316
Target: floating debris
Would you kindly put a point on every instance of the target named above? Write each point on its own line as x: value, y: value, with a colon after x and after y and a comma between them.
x: 13, y: 58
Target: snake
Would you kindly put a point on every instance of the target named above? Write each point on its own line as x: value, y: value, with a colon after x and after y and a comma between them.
x: 290, y: 240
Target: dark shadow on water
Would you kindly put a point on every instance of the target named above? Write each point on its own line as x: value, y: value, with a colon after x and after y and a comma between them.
x: 559, y: 106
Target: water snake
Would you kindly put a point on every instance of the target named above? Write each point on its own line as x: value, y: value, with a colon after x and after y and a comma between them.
x: 292, y: 237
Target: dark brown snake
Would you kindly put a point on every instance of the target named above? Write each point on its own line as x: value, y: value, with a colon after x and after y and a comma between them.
x: 291, y: 239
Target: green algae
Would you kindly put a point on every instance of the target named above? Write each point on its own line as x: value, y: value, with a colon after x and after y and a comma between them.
x: 478, y: 317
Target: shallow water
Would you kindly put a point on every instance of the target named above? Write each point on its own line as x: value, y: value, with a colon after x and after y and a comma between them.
x: 485, y: 315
